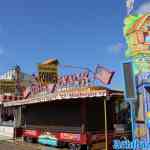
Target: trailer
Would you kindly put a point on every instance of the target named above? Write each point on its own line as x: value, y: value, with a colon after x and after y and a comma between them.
x: 79, y: 118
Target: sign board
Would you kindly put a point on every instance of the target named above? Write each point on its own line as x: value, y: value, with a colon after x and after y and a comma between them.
x: 48, y: 73
x: 70, y: 136
x: 74, y: 80
x: 129, y: 81
x: 7, y: 86
x: 68, y: 94
x: 38, y: 89
x: 7, y: 131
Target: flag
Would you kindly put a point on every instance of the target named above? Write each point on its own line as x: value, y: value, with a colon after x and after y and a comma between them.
x: 129, y: 5
x: 26, y: 92
x: 103, y: 74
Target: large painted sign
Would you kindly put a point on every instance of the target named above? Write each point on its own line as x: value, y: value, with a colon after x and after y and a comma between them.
x: 7, y: 86
x: 47, y: 73
x: 73, y: 80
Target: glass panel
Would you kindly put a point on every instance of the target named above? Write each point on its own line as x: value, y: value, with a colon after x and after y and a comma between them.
x: 147, y: 39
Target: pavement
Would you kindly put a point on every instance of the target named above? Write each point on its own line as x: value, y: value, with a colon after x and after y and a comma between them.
x: 10, y: 144
x: 3, y: 138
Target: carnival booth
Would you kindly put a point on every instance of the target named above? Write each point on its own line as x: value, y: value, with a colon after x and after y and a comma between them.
x: 11, y: 85
x: 70, y: 110
x: 74, y: 117
x: 137, y: 34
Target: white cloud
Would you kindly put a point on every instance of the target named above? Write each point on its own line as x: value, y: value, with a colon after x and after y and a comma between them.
x: 144, y: 8
x: 116, y: 48
x: 1, y: 51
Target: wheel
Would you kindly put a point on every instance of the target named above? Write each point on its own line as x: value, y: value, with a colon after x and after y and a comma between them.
x: 85, y: 147
x: 88, y: 147
x: 28, y: 139
x: 78, y: 147
x: 25, y: 138
x: 71, y: 146
x: 74, y: 146
x: 61, y: 144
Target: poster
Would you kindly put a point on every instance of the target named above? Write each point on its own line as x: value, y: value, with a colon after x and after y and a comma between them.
x: 7, y: 86
x: 48, y: 73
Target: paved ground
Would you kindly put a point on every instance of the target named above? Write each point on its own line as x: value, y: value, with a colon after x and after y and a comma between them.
x: 11, y: 145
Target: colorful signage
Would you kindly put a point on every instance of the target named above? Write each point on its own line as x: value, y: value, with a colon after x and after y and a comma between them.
x: 74, y: 80
x: 48, y: 73
x: 67, y: 94
x: 38, y: 89
x: 148, y: 119
x: 80, y: 92
x: 135, y: 144
x: 7, y: 86
x: 137, y: 35
x: 70, y: 136
x: 35, y: 89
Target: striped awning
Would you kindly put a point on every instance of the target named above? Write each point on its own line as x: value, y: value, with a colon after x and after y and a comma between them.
x: 58, y: 96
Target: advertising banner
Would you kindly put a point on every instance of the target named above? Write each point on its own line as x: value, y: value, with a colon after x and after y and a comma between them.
x: 70, y: 136
x: 48, y: 73
x: 7, y: 86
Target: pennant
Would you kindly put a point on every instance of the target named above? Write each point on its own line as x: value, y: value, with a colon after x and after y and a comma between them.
x: 103, y: 74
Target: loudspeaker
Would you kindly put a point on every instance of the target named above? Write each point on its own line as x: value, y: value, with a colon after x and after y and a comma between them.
x: 129, y: 82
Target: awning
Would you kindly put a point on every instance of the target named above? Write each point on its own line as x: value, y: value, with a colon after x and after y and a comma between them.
x: 75, y: 94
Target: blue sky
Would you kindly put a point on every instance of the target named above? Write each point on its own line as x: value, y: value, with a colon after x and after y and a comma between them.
x: 78, y: 32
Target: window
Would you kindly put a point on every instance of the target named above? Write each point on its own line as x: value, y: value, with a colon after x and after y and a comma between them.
x: 147, y: 38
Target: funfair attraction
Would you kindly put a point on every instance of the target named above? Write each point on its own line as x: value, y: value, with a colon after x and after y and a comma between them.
x: 137, y: 35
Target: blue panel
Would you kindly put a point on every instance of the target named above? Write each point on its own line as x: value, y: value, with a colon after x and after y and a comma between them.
x: 147, y: 39
x: 147, y: 85
x: 48, y: 141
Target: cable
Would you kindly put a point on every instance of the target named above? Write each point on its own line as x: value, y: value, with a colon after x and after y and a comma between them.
x: 75, y: 67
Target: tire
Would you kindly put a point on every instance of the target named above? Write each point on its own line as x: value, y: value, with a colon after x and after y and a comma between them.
x: 60, y: 144
x: 74, y: 147
x: 85, y: 147
x: 78, y: 147
x: 28, y: 139
x: 25, y: 138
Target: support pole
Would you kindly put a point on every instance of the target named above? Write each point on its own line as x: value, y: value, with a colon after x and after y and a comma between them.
x: 132, y: 118
x: 106, y: 133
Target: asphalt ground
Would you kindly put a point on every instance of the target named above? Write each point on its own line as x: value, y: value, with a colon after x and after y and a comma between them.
x: 19, y: 145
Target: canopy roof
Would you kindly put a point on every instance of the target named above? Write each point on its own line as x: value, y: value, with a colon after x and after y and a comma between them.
x: 77, y: 93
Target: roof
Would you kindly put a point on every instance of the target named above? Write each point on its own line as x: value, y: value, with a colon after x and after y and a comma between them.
x: 49, y: 61
x: 134, y: 24
x: 77, y: 93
